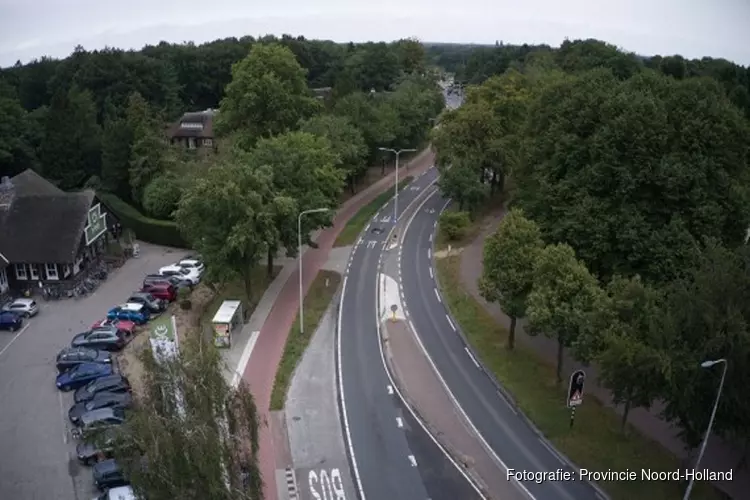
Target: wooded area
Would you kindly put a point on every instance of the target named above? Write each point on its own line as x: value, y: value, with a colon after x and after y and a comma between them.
x: 628, y: 180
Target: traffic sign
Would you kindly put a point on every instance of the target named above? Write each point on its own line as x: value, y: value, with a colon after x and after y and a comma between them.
x: 575, y: 388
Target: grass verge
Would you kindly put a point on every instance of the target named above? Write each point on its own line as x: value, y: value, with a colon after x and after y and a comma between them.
x: 317, y: 301
x: 357, y: 223
x: 595, y: 442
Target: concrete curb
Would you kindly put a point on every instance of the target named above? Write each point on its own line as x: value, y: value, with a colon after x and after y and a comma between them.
x: 502, y: 390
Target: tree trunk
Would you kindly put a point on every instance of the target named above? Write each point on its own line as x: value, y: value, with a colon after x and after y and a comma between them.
x: 560, y: 350
x: 382, y: 168
x: 512, y: 333
x: 269, y: 269
x: 625, y: 413
x: 493, y: 183
x: 247, y: 281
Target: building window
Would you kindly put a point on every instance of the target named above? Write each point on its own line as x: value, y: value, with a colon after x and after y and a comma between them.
x: 3, y: 281
x: 191, y: 125
x: 66, y: 270
x: 34, y: 271
x: 191, y: 143
x: 208, y: 142
x: 51, y: 270
x: 21, y: 271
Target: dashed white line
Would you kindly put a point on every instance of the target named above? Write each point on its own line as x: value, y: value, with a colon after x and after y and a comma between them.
x: 367, y: 227
x: 412, y: 461
x: 431, y: 237
x: 450, y: 322
x: 429, y: 253
x: 431, y: 275
x: 434, y: 225
x: 411, y: 325
x: 62, y: 415
x: 14, y: 338
x: 389, y: 388
x: 437, y: 295
x: 471, y: 356
x: 399, y: 422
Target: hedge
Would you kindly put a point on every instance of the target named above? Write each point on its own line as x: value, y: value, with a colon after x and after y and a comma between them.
x: 160, y: 232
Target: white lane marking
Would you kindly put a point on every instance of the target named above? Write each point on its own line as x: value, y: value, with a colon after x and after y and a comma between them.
x: 389, y: 388
x: 434, y: 225
x: 450, y: 322
x: 510, y: 406
x: 411, y: 325
x: 14, y: 338
x: 412, y: 461
x: 245, y: 358
x: 343, y: 399
x: 399, y: 423
x: 471, y: 356
x: 367, y: 227
x: 552, y: 450
x: 431, y: 237
x: 62, y: 418
x: 432, y: 276
x: 437, y: 295
x: 429, y: 253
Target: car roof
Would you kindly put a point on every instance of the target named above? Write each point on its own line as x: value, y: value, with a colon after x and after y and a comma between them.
x: 121, y: 493
x: 110, y: 395
x: 84, y: 366
x: 73, y: 350
x: 98, y: 414
x: 131, y: 306
x: 26, y: 302
x: 115, y: 378
x: 106, y: 465
x: 190, y: 261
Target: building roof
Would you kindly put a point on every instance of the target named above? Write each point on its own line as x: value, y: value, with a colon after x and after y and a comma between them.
x: 43, y: 223
x: 29, y: 183
x: 226, y: 311
x: 194, y: 124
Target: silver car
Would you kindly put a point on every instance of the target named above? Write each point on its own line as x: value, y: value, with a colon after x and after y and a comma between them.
x: 25, y: 307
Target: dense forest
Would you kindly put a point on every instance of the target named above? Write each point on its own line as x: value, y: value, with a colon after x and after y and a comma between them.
x: 627, y: 181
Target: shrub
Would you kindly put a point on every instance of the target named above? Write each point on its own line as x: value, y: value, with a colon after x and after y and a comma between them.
x: 161, y: 196
x: 183, y: 295
x: 160, y: 232
x: 454, y: 224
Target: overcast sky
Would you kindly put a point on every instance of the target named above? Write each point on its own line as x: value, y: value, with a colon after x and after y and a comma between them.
x: 693, y: 28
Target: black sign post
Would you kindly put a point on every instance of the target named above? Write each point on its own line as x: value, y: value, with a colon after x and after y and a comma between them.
x: 575, y: 392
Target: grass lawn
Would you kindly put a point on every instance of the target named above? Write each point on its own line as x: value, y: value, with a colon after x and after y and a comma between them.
x: 317, y: 300
x: 595, y: 442
x: 493, y: 206
x: 235, y: 290
x: 356, y: 224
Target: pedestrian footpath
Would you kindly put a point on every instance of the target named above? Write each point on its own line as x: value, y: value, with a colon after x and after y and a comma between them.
x: 281, y: 302
x: 720, y: 455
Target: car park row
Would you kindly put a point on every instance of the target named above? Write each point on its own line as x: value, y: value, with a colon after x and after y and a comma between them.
x: 103, y: 396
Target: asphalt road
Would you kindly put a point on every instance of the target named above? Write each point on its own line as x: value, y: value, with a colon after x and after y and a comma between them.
x: 37, y: 460
x: 496, y: 421
x: 391, y: 463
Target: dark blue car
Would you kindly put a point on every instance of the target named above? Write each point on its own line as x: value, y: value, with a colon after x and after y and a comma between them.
x: 137, y: 313
x: 10, y: 321
x: 82, y: 375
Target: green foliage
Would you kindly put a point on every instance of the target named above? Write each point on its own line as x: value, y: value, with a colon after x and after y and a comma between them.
x: 11, y: 127
x: 191, y: 435
x: 375, y: 120
x: 161, y: 196
x: 510, y: 257
x: 346, y: 142
x: 267, y: 96
x: 563, y: 295
x: 117, y: 139
x: 159, y: 232
x: 454, y: 224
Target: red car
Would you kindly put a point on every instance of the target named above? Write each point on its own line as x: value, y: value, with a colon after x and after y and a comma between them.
x: 125, y: 326
x: 161, y: 291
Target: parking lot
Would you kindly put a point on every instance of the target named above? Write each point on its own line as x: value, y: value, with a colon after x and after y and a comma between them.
x: 38, y: 454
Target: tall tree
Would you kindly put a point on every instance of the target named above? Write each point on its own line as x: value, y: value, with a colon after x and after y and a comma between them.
x: 12, y: 128
x: 627, y: 339
x: 376, y: 120
x: 226, y: 216
x: 346, y: 142
x: 562, y: 297
x: 117, y: 141
x: 267, y: 96
x: 71, y: 151
x: 200, y: 444
x: 510, y: 256
x: 303, y: 169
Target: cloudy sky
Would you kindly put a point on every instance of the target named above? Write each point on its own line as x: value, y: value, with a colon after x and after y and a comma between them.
x: 693, y: 28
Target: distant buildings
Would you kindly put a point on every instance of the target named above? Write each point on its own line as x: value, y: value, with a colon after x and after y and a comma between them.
x: 194, y: 130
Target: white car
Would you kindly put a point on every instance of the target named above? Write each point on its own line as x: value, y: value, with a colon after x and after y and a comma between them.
x: 119, y: 493
x: 25, y: 307
x: 192, y: 264
x: 190, y: 275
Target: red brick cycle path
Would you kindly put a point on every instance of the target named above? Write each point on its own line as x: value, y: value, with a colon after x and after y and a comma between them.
x: 261, y: 368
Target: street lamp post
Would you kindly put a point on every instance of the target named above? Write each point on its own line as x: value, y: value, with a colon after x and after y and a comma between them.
x: 299, y: 257
x: 397, y: 152
x: 707, y: 364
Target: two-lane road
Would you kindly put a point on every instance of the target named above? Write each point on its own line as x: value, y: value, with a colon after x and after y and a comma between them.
x: 498, y: 424
x: 391, y: 460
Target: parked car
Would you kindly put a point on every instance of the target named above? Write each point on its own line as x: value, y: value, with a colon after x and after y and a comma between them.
x: 108, y: 474
x: 137, y: 313
x: 82, y: 375
x: 10, y: 321
x: 118, y: 493
x: 163, y: 291
x: 70, y: 357
x: 196, y: 264
x: 106, y: 338
x: 155, y: 305
x: 24, y: 307
x: 171, y: 280
x: 190, y: 274
x: 100, y: 446
x: 121, y: 324
x: 94, y: 422
x: 103, y: 399
x: 112, y: 383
